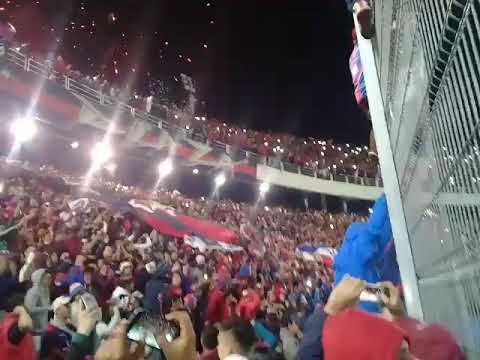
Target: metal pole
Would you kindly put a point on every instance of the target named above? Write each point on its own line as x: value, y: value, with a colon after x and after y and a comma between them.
x: 390, y: 180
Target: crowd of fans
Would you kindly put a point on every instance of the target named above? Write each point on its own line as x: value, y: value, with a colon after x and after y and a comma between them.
x: 72, y: 278
x: 64, y: 253
x: 322, y: 156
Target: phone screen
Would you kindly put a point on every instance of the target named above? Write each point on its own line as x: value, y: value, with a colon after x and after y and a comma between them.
x: 144, y: 328
x: 140, y: 333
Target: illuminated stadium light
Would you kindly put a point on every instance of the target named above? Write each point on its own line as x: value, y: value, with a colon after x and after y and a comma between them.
x: 370, y: 210
x: 264, y: 188
x: 101, y: 152
x: 111, y: 167
x: 195, y: 171
x: 75, y: 145
x: 220, y: 180
x: 24, y: 129
x: 165, y: 167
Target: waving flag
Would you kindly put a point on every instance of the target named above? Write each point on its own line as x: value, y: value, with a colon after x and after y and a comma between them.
x: 167, y: 221
x: 312, y: 253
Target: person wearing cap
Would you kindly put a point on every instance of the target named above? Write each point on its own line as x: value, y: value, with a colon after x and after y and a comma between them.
x: 57, y: 338
x: 125, y: 272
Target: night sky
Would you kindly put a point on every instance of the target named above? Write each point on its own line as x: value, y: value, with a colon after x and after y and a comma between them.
x: 272, y: 65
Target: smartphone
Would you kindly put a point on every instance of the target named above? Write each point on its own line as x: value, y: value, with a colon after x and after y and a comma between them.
x: 144, y: 328
x: 373, y: 293
x: 89, y: 303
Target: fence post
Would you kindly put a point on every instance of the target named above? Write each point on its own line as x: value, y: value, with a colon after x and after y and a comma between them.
x: 390, y: 180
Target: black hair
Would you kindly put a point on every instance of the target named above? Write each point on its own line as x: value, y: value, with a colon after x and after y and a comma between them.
x: 242, y: 331
x: 17, y: 298
x: 210, y: 337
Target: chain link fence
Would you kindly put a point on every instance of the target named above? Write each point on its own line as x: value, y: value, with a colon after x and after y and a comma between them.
x: 427, y: 55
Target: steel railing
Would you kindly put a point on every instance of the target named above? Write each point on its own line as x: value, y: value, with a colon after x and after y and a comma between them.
x: 427, y: 55
x: 101, y: 98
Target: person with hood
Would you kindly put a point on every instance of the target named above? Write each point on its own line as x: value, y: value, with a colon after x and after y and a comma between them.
x: 157, y: 285
x: 37, y: 302
x: 362, y: 252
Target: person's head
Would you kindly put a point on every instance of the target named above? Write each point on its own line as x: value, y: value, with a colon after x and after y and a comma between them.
x: 126, y: 268
x: 54, y: 258
x: 176, y: 279
x: 236, y: 336
x: 209, y: 338
x: 107, y: 253
x: 344, y: 337
x: 88, y: 275
x: 60, y: 307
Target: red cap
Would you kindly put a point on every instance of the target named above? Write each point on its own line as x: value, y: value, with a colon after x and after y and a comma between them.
x: 430, y: 342
x: 355, y: 334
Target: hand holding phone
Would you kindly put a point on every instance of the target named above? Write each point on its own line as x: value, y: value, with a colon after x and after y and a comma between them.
x: 391, y: 298
x: 118, y: 344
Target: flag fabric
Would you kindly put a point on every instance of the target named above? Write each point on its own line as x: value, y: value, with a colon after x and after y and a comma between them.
x: 205, y: 244
x: 313, y: 253
x: 167, y: 221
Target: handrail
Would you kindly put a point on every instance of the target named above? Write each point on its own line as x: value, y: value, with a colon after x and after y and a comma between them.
x: 79, y: 88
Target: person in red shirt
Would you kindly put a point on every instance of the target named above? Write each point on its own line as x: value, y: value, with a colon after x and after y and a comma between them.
x: 16, y: 339
x: 216, y: 302
x: 249, y: 304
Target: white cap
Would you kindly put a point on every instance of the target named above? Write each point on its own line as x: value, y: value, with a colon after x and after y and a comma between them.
x: 151, y: 267
x: 59, y: 301
x: 119, y: 291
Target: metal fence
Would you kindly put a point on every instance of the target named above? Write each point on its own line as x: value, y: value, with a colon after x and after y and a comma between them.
x: 100, y: 98
x: 427, y: 58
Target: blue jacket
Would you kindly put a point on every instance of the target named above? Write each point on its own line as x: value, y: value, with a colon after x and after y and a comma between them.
x: 311, y: 347
x: 363, y: 253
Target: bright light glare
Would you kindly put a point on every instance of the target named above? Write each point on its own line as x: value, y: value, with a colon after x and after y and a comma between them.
x: 165, y: 167
x: 111, y: 167
x: 74, y: 145
x: 24, y: 129
x: 264, y: 187
x: 195, y: 171
x: 101, y: 152
x: 220, y: 180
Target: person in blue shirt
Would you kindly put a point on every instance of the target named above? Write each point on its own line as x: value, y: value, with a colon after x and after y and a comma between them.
x: 366, y: 252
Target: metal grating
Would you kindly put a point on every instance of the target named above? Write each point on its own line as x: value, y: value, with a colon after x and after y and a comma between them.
x: 427, y: 55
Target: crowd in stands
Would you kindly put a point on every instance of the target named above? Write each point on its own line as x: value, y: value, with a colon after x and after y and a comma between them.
x: 321, y: 156
x: 71, y: 279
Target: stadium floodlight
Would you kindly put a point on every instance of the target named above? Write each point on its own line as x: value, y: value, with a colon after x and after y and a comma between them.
x: 75, y: 145
x: 264, y: 188
x: 195, y: 171
x: 165, y: 167
x: 220, y: 180
x: 24, y: 129
x: 101, y: 152
x: 111, y: 167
